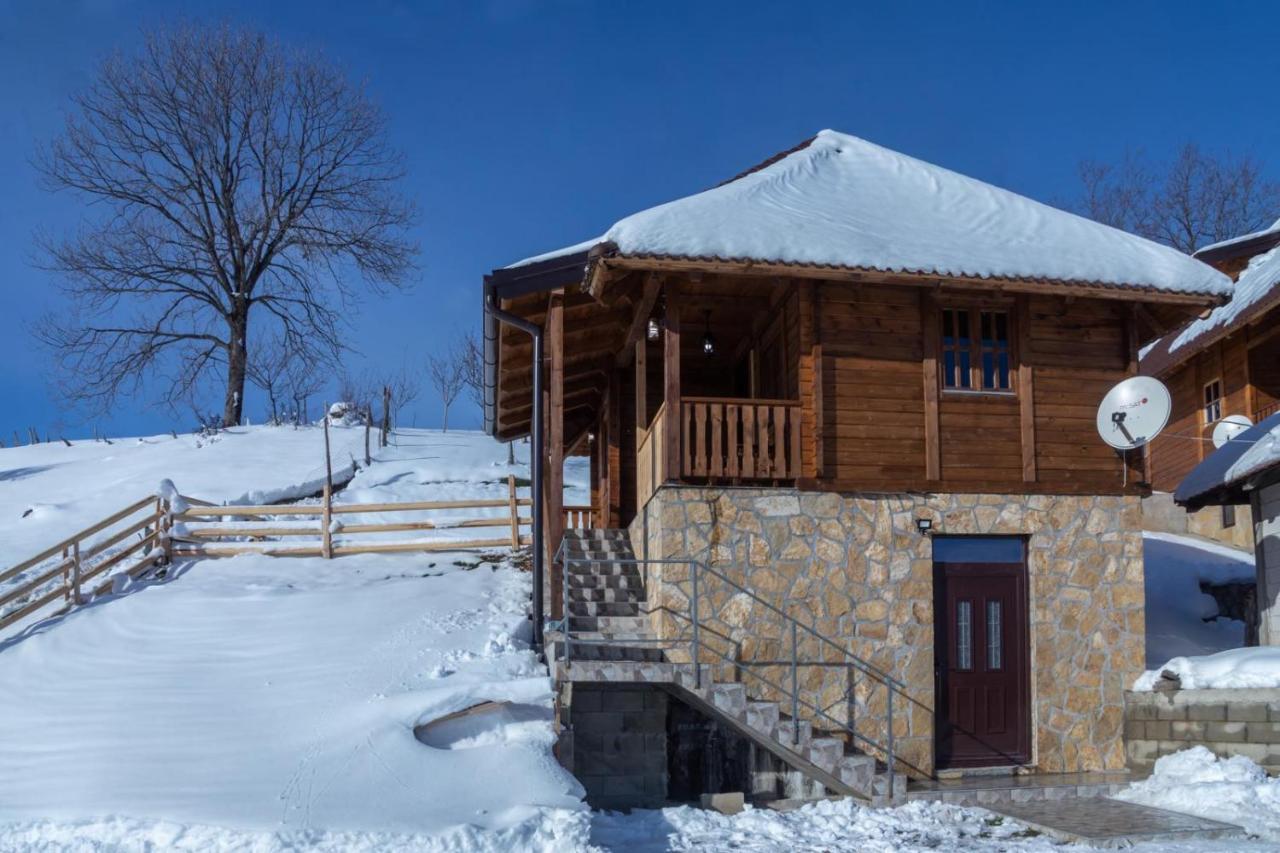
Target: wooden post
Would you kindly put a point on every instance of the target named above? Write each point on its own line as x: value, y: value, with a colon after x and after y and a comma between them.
x: 75, y: 572
x: 613, y: 454
x: 555, y: 447
x: 515, y: 510
x: 671, y: 382
x: 328, y: 462
x: 166, y: 530
x: 929, y: 320
x: 386, y: 415
x: 326, y: 519
x: 642, y: 392
x: 1027, y: 392
x: 368, y: 427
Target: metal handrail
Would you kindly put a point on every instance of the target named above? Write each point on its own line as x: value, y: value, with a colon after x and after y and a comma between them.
x: 795, y: 625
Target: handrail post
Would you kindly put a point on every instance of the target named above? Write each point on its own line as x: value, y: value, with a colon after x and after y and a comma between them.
x: 889, y: 741
x: 795, y: 685
x: 697, y: 647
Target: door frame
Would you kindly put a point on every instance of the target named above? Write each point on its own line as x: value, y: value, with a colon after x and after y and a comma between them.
x: 1022, y: 755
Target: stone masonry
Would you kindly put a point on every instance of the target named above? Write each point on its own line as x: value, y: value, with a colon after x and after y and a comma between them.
x: 1228, y: 722
x: 856, y: 568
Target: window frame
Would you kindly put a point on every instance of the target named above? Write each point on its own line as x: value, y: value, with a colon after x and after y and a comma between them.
x: 976, y: 309
x: 1206, y: 403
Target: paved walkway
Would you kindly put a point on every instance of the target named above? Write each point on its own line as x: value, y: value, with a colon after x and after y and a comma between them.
x: 1104, y: 822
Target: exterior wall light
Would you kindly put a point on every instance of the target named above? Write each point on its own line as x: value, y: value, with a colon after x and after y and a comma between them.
x: 924, y: 525
x: 653, y: 331
x: 708, y: 342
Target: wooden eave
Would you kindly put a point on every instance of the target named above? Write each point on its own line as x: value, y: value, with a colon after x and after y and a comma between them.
x: 1165, y: 310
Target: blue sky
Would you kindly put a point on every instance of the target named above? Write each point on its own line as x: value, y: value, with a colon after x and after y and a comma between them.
x: 529, y: 125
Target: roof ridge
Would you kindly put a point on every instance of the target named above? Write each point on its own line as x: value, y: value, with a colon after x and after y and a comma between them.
x: 781, y: 155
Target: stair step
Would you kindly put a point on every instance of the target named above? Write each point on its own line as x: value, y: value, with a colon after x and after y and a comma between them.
x: 729, y: 698
x: 603, y: 608
x: 611, y: 652
x: 610, y: 624
x: 762, y: 716
x: 795, y: 738
x: 613, y: 596
x: 585, y: 580
x: 880, y: 789
x: 604, y: 568
x: 826, y: 752
x: 856, y: 771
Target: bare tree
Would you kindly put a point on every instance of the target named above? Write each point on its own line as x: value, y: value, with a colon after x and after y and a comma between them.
x: 268, y: 368
x: 448, y: 376
x: 304, y: 380
x: 1192, y: 201
x: 237, y: 180
x: 470, y: 353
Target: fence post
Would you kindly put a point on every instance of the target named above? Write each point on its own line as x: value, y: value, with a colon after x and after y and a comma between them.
x: 66, y: 573
x: 889, y: 751
x: 515, y: 510
x: 75, y: 572
x: 368, y: 426
x: 165, y: 526
x: 326, y: 536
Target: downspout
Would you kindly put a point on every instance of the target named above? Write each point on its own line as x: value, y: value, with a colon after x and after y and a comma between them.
x: 493, y: 316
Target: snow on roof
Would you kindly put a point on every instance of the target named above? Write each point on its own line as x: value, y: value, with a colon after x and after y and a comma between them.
x: 1243, y: 238
x: 841, y: 201
x: 1256, y: 291
x: 1249, y: 453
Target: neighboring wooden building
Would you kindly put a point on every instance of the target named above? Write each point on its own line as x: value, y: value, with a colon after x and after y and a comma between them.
x: 789, y: 377
x: 1246, y: 471
x: 1227, y: 363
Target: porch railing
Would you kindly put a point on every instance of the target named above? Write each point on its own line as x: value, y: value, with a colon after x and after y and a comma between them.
x: 1266, y: 412
x: 579, y: 517
x: 651, y: 468
x: 737, y: 439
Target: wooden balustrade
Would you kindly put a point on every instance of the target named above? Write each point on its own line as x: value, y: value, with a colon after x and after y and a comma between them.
x: 578, y: 518
x: 1266, y: 412
x: 651, y: 468
x: 732, y: 439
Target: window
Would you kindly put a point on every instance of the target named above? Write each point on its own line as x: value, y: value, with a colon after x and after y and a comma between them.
x: 1212, y: 402
x: 1228, y: 515
x: 975, y: 350
x: 964, y: 635
x: 995, y: 647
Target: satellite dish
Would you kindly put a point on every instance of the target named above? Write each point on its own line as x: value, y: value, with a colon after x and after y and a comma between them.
x: 1229, y: 427
x: 1133, y: 412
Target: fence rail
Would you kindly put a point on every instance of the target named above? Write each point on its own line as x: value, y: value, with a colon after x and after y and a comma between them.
x: 82, y: 558
x: 258, y: 529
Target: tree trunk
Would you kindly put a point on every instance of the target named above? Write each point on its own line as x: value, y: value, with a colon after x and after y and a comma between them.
x: 237, y: 363
x: 446, y: 417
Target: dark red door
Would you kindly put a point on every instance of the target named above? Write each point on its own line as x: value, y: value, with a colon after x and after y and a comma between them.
x: 984, y: 716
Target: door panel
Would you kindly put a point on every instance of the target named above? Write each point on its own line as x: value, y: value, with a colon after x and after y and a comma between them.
x: 981, y: 657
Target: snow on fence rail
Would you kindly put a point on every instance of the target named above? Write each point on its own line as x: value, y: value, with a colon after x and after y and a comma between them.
x: 264, y: 535
x: 61, y: 571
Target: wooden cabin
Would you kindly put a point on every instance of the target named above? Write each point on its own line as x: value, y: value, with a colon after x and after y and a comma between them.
x: 864, y: 387
x: 1226, y: 363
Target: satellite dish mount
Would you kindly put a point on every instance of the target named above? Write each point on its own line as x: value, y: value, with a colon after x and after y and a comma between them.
x: 1133, y: 413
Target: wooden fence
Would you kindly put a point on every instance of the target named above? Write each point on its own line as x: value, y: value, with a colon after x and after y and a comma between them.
x: 78, y: 561
x: 218, y: 537
x: 729, y: 439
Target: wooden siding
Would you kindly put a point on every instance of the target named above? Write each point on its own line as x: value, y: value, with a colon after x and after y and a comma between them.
x: 1249, y: 370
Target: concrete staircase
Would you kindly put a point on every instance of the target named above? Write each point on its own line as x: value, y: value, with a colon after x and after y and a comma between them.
x: 612, y: 642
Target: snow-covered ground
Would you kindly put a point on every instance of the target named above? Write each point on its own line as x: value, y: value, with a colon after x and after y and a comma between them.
x: 272, y: 704
x: 1257, y: 667
x: 1180, y: 618
x: 50, y: 491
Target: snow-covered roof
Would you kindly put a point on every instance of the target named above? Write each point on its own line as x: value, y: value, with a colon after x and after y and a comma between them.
x: 1249, y: 453
x: 1257, y: 291
x: 840, y: 201
x: 1214, y: 248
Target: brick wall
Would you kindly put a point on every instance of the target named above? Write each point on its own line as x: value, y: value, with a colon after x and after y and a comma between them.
x: 1228, y: 722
